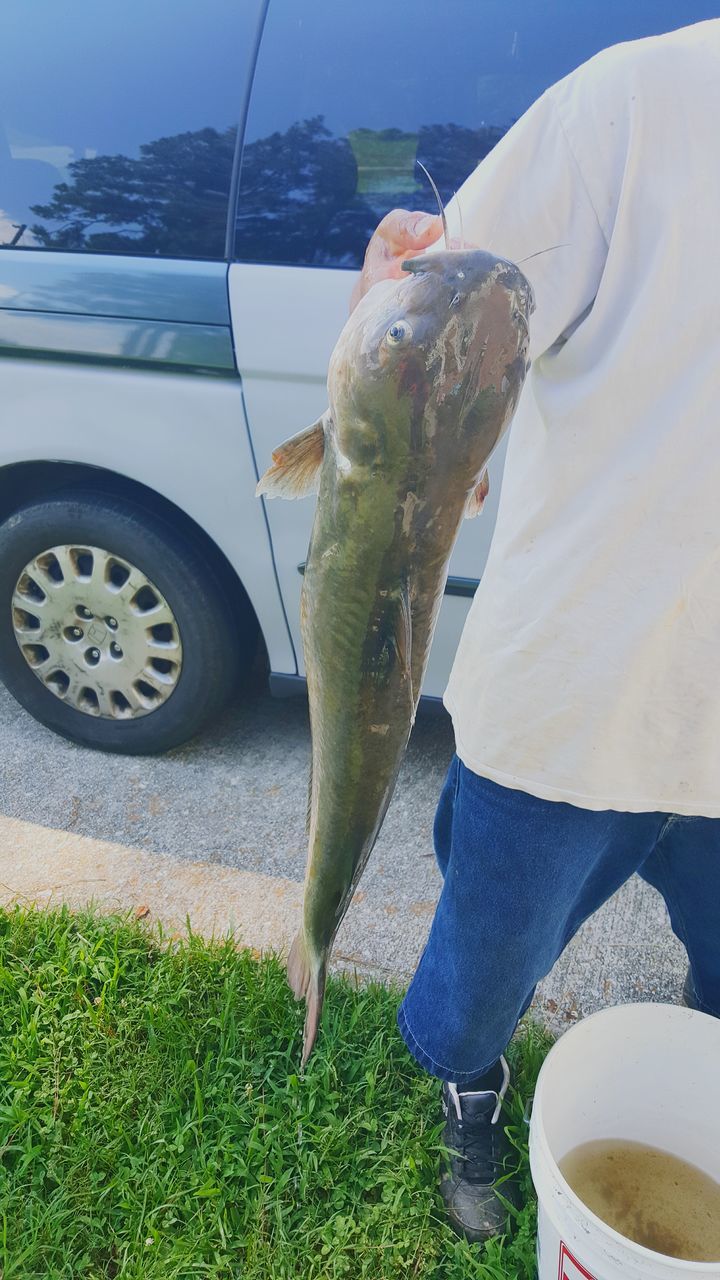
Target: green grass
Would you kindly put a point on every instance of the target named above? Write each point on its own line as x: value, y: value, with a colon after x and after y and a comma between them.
x: 153, y: 1124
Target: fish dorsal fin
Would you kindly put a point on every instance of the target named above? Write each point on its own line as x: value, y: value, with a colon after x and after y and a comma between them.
x: 308, y: 816
x: 477, y: 497
x: 403, y: 634
x: 295, y: 470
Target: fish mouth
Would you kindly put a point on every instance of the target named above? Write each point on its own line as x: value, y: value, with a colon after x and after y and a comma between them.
x: 471, y: 269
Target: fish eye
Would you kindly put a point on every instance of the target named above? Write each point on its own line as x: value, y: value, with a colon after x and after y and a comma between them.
x: 399, y: 333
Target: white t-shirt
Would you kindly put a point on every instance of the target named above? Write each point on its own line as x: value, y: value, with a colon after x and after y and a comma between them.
x: 589, y: 667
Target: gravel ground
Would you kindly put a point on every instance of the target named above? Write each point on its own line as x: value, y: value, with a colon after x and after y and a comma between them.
x: 236, y: 797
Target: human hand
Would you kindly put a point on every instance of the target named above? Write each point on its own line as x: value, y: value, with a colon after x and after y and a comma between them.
x: 402, y: 234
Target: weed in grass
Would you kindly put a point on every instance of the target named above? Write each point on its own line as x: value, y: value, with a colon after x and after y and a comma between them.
x: 153, y: 1125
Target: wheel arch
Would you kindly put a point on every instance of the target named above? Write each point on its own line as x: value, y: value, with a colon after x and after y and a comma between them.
x: 22, y: 482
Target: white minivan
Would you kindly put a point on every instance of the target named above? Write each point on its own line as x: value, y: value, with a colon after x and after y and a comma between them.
x: 186, y: 190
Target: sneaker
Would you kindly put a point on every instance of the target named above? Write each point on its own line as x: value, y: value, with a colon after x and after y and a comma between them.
x: 477, y: 1162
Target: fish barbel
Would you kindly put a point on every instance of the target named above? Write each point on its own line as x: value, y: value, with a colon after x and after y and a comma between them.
x: 423, y: 381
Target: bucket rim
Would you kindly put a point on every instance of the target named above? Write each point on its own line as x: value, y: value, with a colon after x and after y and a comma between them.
x: 539, y: 1140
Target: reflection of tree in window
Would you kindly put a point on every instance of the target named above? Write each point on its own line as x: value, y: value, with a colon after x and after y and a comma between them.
x: 306, y: 196
x: 171, y: 201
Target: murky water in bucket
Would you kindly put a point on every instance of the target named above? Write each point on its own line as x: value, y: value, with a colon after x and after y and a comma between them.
x: 649, y: 1196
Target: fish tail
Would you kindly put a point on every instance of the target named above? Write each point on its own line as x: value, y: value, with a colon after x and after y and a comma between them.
x: 314, y: 1002
x: 298, y: 967
x: 308, y: 980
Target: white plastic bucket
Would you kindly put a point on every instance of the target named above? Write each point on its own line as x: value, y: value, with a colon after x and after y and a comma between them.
x: 646, y: 1073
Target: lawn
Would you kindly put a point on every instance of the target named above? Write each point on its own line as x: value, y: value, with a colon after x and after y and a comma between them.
x: 153, y: 1124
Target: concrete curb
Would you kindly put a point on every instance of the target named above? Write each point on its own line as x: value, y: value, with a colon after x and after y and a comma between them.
x: 45, y: 867
x: 624, y: 953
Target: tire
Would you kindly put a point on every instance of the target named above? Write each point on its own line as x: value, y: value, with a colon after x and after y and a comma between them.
x: 98, y: 538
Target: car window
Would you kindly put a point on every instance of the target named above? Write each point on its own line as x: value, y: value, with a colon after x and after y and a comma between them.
x: 347, y: 97
x: 118, y: 121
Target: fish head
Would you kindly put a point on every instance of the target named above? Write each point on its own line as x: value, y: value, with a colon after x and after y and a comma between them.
x: 434, y: 351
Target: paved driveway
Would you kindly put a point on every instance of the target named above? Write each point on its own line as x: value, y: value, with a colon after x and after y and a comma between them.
x: 234, y: 801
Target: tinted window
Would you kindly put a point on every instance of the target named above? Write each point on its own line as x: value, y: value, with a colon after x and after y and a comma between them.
x: 347, y: 97
x: 118, y: 122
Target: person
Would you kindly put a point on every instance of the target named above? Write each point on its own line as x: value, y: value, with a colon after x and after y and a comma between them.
x: 584, y: 694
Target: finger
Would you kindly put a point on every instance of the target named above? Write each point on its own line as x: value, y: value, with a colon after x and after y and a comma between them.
x: 391, y: 266
x: 403, y: 229
x: 402, y: 234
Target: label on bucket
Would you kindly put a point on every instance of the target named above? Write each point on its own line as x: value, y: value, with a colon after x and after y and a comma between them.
x: 570, y: 1268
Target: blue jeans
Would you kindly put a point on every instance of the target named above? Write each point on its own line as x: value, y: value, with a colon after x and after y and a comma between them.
x: 520, y: 876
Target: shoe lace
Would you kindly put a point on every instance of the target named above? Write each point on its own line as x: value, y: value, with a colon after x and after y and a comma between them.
x: 478, y: 1137
x: 479, y: 1149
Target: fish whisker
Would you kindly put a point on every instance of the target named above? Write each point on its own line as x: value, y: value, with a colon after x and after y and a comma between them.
x: 439, y: 202
x: 460, y: 219
x: 565, y: 245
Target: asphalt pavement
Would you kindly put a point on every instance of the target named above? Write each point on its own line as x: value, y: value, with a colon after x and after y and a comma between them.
x: 226, y: 814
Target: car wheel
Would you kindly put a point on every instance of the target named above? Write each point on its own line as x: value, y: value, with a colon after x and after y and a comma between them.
x: 115, y: 629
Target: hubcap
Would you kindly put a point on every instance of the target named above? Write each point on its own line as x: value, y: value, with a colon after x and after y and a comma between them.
x: 96, y: 632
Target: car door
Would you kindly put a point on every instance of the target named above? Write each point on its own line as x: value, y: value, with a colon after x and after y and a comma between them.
x: 345, y: 100
x: 120, y: 126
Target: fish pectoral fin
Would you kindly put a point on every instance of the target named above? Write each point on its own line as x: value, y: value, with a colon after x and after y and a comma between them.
x: 478, y: 496
x: 295, y: 469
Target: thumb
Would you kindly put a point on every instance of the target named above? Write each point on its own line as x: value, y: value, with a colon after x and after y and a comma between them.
x: 405, y: 231
x: 426, y: 229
